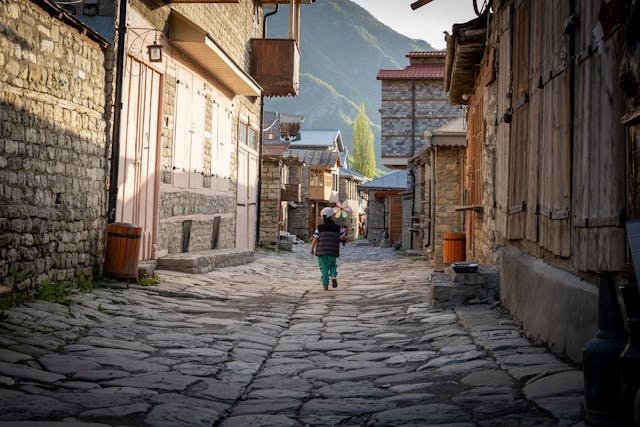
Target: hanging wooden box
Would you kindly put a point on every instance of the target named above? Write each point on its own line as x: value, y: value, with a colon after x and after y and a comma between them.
x: 275, y: 65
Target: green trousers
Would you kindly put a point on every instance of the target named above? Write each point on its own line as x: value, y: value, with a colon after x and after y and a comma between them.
x: 328, y: 267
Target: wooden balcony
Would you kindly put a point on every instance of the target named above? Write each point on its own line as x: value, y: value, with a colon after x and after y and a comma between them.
x: 275, y: 65
x: 320, y: 193
x: 291, y: 193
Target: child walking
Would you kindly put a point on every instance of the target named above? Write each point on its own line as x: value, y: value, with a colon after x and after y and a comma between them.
x: 326, y: 246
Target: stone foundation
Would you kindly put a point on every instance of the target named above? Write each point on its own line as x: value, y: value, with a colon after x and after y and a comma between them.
x: 543, y: 297
x: 450, y: 288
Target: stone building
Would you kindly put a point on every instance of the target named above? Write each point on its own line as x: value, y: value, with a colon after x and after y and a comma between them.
x: 385, y: 208
x: 319, y: 151
x: 277, y: 189
x: 413, y: 101
x: 438, y: 190
x: 190, y: 149
x: 54, y: 125
x: 351, y: 196
x: 551, y: 169
x: 319, y: 181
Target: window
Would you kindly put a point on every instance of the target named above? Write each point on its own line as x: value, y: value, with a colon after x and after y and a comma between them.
x: 252, y: 140
x: 242, y: 132
x: 334, y: 179
x: 315, y: 179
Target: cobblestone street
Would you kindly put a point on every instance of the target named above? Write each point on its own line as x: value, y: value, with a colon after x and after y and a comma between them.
x: 264, y: 345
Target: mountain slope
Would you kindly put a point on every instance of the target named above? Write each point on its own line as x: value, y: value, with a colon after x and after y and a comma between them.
x: 342, y: 48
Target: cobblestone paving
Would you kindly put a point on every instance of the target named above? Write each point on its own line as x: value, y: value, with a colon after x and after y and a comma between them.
x: 264, y: 345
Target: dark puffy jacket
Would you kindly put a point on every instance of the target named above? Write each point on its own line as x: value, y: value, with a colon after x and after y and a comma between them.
x: 329, y: 240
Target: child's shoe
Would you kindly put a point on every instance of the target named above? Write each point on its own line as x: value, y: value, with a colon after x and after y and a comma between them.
x: 325, y: 287
x: 334, y: 282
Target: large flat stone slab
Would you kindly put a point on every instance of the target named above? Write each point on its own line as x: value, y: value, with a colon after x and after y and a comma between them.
x: 560, y: 384
x: 205, y: 261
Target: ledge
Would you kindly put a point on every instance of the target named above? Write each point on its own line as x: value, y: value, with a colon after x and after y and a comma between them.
x: 475, y: 208
x: 205, y: 261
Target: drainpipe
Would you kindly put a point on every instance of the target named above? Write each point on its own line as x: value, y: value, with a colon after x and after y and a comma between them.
x: 259, y: 195
x: 115, y: 144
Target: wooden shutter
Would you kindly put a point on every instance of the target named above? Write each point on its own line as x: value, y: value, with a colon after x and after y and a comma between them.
x: 182, y: 137
x: 519, y: 135
x: 503, y: 14
x: 599, y: 149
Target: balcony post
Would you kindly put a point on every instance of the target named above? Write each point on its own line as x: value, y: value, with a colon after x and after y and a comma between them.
x: 293, y: 24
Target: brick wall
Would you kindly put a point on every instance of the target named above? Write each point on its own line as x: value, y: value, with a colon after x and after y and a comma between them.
x: 52, y: 149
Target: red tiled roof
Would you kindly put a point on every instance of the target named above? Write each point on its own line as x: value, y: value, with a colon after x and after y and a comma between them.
x: 413, y: 72
x: 427, y: 54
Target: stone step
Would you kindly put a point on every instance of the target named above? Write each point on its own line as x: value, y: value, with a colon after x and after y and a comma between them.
x: 205, y: 261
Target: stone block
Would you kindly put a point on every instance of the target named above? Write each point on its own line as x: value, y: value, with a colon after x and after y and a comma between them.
x: 205, y: 261
x: 285, y: 245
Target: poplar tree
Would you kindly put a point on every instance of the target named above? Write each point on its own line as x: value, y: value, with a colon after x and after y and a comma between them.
x: 363, y: 158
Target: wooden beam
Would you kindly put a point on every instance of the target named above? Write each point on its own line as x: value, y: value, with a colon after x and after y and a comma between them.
x: 417, y: 4
x: 292, y: 18
x: 297, y: 27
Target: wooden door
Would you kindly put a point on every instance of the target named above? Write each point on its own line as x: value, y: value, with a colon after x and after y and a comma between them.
x: 246, y: 213
x: 138, y: 173
x: 395, y: 219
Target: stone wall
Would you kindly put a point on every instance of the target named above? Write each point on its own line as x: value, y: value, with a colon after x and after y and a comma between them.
x: 53, y: 167
x: 270, y: 202
x: 375, y: 219
x: 299, y: 216
x: 202, y: 210
x: 448, y: 190
x: 432, y: 110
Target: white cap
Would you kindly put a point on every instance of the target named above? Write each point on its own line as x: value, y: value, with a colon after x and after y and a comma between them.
x: 327, y: 212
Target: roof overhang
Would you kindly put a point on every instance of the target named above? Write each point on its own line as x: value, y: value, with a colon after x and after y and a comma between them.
x: 465, y: 49
x: 194, y: 41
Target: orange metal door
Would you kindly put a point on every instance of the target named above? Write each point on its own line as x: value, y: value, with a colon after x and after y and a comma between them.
x: 138, y: 174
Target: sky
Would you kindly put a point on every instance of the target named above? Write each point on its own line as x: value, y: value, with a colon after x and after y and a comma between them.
x: 427, y: 23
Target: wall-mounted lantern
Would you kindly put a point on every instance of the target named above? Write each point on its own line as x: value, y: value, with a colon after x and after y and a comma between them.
x: 155, y: 52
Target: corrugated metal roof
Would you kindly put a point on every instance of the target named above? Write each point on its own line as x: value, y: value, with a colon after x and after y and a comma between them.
x: 427, y: 54
x: 319, y: 139
x: 353, y: 174
x: 315, y: 158
x: 396, y: 180
x: 414, y: 72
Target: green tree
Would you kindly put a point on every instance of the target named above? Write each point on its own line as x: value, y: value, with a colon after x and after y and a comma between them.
x: 363, y: 158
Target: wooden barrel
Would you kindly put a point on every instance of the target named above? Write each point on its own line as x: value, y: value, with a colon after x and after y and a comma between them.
x: 454, y: 247
x: 123, y: 249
